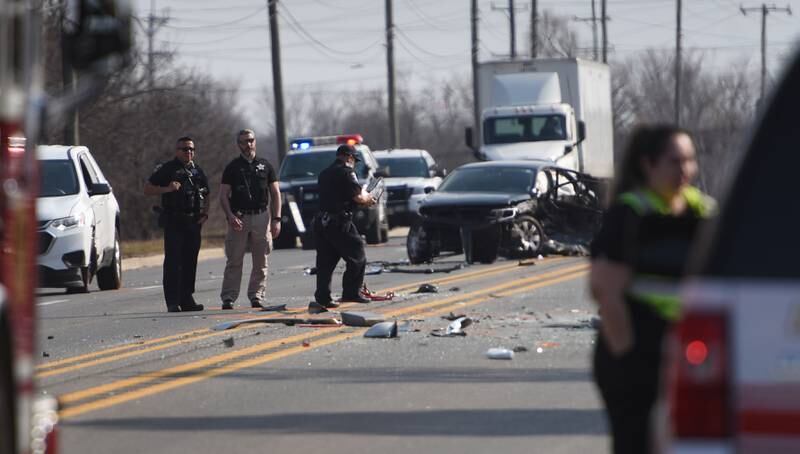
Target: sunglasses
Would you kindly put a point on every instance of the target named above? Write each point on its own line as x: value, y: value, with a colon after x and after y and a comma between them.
x: 247, y: 140
x: 187, y: 149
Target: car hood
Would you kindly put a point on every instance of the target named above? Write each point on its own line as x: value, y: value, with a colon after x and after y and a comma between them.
x: 472, y: 199
x: 49, y: 208
x: 548, y: 151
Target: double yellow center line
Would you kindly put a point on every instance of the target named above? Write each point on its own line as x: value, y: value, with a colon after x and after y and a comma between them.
x: 170, y: 378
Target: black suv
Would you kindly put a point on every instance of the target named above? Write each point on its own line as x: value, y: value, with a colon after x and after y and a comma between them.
x: 298, y: 176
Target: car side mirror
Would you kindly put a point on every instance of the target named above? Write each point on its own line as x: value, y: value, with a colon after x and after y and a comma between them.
x: 441, y: 173
x: 581, y: 131
x: 468, y: 137
x: 100, y: 189
x: 568, y: 148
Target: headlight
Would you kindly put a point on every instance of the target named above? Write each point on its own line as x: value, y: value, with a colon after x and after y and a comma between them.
x: 78, y: 220
x: 504, y: 213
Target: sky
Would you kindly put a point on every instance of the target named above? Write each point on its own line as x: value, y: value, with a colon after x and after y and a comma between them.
x: 330, y: 46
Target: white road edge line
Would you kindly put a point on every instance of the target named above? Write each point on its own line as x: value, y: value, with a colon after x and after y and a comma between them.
x: 48, y: 303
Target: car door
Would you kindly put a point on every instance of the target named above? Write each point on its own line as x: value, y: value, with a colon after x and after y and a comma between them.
x: 99, y: 203
x: 570, y: 205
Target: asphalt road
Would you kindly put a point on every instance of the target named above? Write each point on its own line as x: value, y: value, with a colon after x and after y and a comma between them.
x: 132, y: 378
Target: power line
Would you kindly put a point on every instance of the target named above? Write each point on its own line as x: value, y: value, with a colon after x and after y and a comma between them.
x: 299, y: 27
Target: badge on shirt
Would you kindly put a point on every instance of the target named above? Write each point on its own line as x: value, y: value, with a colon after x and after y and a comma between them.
x: 259, y: 166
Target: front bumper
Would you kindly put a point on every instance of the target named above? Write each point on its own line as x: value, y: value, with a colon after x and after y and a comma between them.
x: 62, y: 254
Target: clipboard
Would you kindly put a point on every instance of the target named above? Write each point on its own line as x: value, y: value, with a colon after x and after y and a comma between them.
x: 376, y: 188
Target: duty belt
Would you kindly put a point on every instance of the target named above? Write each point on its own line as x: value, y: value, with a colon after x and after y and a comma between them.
x: 253, y: 211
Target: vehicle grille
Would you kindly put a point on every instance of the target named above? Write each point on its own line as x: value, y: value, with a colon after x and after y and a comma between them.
x: 45, y: 240
x: 458, y: 215
x: 398, y: 193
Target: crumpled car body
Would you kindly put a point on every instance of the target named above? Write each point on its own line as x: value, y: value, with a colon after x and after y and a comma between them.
x: 506, y: 208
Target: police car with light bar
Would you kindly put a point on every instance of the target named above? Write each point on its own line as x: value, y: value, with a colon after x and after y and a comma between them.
x: 298, y: 174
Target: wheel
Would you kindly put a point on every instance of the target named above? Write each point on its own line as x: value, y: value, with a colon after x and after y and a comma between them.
x: 285, y: 241
x: 420, y: 246
x: 374, y: 232
x: 85, y: 279
x: 527, y: 237
x: 110, y: 277
x: 7, y: 406
x: 485, y: 245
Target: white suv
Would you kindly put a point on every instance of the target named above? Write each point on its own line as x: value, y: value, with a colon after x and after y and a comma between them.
x: 411, y: 175
x: 78, y: 222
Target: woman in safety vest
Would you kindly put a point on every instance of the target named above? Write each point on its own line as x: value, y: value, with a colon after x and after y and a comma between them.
x: 637, y: 258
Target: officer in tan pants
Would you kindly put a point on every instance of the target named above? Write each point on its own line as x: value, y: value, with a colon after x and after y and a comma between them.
x: 251, y: 200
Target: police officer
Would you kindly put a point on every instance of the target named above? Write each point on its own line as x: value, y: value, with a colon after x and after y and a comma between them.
x: 183, y: 188
x: 638, y: 258
x: 335, y: 235
x: 251, y: 199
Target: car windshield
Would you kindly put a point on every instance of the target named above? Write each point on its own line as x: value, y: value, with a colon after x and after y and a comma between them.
x: 309, y: 165
x: 57, y: 178
x: 524, y: 128
x: 511, y: 180
x: 405, y: 167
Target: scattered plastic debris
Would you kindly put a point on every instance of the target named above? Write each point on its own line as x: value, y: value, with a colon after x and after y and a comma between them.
x: 382, y: 330
x: 228, y: 342
x: 451, y: 316
x: 539, y: 350
x: 310, y: 271
x: 306, y: 342
x: 45, y: 355
x: 427, y: 288
x: 527, y: 262
x: 316, y: 308
x: 51, y: 337
x: 361, y: 318
x: 290, y: 321
x: 275, y: 308
x: 372, y: 296
x: 454, y: 289
x: 373, y: 270
x: 455, y: 328
x: 500, y: 353
x: 520, y: 349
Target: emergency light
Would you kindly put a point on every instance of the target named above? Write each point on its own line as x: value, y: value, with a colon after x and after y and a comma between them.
x: 305, y: 143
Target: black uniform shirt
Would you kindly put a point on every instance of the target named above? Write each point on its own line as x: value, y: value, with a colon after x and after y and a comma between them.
x: 652, y: 244
x: 338, y: 184
x: 249, y: 182
x: 194, y: 186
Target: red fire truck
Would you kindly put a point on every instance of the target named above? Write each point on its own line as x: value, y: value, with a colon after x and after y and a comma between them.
x: 97, y: 36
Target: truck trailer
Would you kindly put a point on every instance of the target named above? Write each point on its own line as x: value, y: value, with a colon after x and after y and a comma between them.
x: 556, y: 110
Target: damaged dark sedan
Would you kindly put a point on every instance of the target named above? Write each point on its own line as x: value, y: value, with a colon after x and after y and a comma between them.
x: 506, y: 208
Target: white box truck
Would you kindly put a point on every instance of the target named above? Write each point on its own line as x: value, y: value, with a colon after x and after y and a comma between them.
x: 555, y: 109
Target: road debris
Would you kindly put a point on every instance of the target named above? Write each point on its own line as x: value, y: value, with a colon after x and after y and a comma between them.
x: 289, y: 321
x: 228, y: 342
x: 451, y: 316
x: 45, y: 355
x: 382, y: 330
x: 310, y: 271
x: 520, y: 349
x: 427, y: 288
x: 275, y: 308
x: 455, y: 328
x: 499, y: 353
x: 307, y: 343
x: 373, y: 270
x: 527, y: 262
x: 316, y: 308
x: 361, y: 318
x: 372, y: 296
x: 51, y: 337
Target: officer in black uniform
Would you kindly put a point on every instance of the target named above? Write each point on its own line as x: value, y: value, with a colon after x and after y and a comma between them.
x: 183, y: 188
x: 335, y: 235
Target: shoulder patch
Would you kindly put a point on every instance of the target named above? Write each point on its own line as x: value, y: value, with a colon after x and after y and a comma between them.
x: 158, y: 166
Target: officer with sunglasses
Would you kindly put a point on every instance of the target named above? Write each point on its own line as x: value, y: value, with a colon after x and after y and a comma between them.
x: 183, y: 188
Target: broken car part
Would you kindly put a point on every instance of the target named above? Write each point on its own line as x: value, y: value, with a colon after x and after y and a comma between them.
x: 361, y: 318
x: 382, y: 330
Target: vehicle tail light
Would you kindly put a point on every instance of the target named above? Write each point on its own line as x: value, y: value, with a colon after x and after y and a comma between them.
x: 699, y: 391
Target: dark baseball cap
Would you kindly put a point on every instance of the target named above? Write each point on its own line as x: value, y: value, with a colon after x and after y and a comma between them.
x: 347, y: 150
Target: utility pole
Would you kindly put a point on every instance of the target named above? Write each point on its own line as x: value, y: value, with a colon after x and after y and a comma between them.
x: 678, y: 57
x: 277, y: 80
x: 69, y: 84
x: 593, y: 20
x: 154, y: 23
x: 393, y: 124
x: 604, y: 19
x: 510, y: 9
x: 476, y: 114
x: 764, y: 9
x: 534, y: 29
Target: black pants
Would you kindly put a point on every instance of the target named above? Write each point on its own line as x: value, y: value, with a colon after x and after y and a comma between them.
x: 630, y: 384
x: 338, y: 240
x: 181, y: 246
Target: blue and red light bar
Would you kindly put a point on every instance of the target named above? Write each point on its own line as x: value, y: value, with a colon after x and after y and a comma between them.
x: 304, y: 143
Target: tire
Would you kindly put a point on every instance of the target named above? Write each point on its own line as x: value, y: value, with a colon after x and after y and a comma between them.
x: 285, y: 241
x: 110, y: 277
x: 7, y: 405
x: 374, y: 232
x: 420, y: 247
x: 85, y: 280
x: 528, y: 237
x: 485, y: 245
